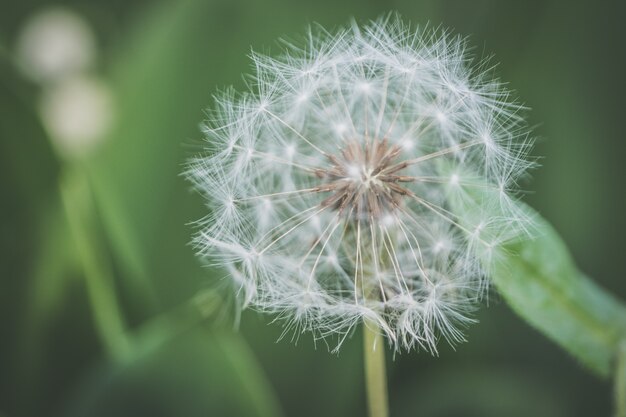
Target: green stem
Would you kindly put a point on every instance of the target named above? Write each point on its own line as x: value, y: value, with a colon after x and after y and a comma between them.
x: 620, y: 380
x: 76, y: 197
x: 375, y: 375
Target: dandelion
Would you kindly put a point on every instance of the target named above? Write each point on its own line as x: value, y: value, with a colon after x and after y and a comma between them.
x: 77, y: 112
x: 54, y: 44
x: 329, y: 182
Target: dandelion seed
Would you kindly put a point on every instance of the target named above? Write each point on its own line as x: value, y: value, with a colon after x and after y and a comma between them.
x: 330, y: 182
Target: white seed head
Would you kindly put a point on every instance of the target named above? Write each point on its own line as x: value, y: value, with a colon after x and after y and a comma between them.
x: 55, y: 43
x: 329, y: 182
x: 77, y: 112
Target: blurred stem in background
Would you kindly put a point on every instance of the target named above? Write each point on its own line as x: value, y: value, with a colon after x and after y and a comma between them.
x: 78, y: 205
x: 375, y: 374
x: 125, y: 346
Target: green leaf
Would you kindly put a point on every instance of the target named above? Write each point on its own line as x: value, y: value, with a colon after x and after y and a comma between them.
x: 200, y: 373
x: 540, y: 281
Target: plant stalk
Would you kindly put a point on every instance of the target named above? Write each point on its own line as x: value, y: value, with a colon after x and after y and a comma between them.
x: 75, y: 193
x: 375, y: 375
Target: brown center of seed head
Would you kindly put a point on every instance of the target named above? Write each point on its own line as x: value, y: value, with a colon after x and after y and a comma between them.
x: 363, y: 179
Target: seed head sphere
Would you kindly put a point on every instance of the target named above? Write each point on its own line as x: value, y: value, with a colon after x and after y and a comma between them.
x: 329, y: 182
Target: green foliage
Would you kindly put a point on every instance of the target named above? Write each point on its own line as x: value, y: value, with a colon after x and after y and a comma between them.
x: 540, y: 281
x: 538, y: 278
x: 175, y: 378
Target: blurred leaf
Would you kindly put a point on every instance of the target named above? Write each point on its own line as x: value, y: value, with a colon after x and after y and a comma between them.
x: 81, y: 220
x: 540, y: 281
x: 200, y: 373
x: 168, y: 326
x: 35, y: 256
x: 135, y: 175
x: 54, y: 269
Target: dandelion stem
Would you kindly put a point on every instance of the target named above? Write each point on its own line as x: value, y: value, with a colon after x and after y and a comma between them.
x: 375, y: 375
x: 620, y: 380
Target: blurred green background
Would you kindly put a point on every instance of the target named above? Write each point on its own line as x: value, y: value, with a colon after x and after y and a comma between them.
x: 104, y: 310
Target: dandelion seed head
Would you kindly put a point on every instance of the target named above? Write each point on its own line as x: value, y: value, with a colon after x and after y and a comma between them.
x: 329, y: 182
